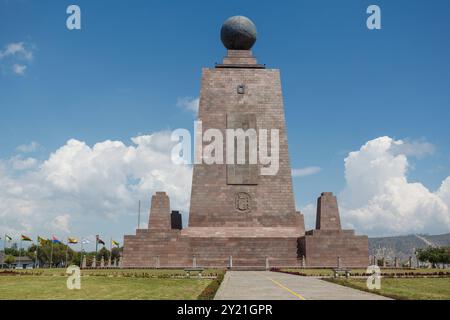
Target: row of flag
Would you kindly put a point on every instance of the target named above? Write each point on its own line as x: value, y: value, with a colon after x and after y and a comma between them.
x: 43, y: 241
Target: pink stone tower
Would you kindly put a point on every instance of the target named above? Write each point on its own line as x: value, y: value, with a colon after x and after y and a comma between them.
x: 236, y: 213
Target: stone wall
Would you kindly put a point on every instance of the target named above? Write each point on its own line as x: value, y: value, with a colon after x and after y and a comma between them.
x: 160, y: 212
x: 330, y: 246
x: 327, y: 212
x: 213, y: 198
x: 323, y: 248
x: 184, y: 249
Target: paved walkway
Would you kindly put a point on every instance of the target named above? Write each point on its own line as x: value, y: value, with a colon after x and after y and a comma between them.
x: 266, y: 285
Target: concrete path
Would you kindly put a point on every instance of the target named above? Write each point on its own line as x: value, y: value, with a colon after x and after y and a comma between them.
x: 266, y: 285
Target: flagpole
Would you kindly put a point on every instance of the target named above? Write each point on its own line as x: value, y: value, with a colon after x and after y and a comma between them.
x: 4, y: 249
x: 139, y: 214
x: 51, y: 255
x: 81, y: 252
x: 67, y: 251
x: 4, y: 253
x: 20, y: 251
x: 96, y: 245
x: 37, y: 253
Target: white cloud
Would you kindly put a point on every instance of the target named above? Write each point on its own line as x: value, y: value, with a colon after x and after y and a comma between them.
x: 17, y: 49
x: 302, y: 172
x: 15, y: 54
x: 309, y: 214
x: 61, y: 223
x: 26, y: 148
x: 18, y: 163
x: 87, y: 189
x: 418, y: 148
x: 189, y: 104
x: 378, y: 198
x: 93, y: 188
x: 19, y: 69
x: 444, y: 191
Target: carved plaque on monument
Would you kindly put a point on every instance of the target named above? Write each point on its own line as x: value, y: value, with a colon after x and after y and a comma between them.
x: 243, y: 202
x: 242, y: 174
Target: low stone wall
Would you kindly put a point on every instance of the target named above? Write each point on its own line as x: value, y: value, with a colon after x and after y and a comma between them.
x: 172, y: 248
x: 333, y: 248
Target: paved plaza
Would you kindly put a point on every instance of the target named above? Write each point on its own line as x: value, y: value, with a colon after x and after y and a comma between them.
x: 266, y: 285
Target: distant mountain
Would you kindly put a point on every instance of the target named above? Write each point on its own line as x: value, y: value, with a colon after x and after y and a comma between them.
x: 403, y: 247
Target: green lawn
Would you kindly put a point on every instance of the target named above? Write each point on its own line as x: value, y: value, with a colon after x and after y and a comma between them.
x: 329, y: 272
x: 118, y: 272
x: 406, y: 288
x: 104, y: 284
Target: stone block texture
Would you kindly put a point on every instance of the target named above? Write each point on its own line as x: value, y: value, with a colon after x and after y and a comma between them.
x: 239, y: 58
x: 160, y: 212
x: 271, y: 197
x: 328, y: 243
x: 327, y: 217
x: 323, y: 248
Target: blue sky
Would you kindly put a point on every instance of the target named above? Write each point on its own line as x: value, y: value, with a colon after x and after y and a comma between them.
x: 122, y: 74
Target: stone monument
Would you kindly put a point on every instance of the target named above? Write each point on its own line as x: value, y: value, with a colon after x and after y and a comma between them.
x: 239, y: 217
x: 330, y: 246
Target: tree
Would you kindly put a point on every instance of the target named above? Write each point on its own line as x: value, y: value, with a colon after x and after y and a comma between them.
x: 103, y: 253
x: 116, y: 253
x: 434, y: 255
x: 75, y: 258
x: 9, y: 259
x: 54, y: 253
x: 14, y: 251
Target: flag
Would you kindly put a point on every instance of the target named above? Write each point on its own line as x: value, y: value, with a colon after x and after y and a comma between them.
x: 42, y: 241
x: 55, y: 240
x: 85, y: 241
x: 7, y: 238
x: 114, y: 243
x: 25, y: 238
x: 72, y: 240
x: 100, y: 241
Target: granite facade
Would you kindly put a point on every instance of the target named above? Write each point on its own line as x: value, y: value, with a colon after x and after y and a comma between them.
x: 239, y: 217
x: 330, y: 246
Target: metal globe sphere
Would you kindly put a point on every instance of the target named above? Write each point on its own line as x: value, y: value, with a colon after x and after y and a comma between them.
x: 238, y: 33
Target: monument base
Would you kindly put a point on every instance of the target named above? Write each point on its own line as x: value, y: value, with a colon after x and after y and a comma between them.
x: 162, y: 246
x: 334, y: 248
x: 213, y: 247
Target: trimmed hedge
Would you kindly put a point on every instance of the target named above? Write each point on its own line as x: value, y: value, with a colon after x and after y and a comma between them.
x: 405, y: 274
x: 210, y: 291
